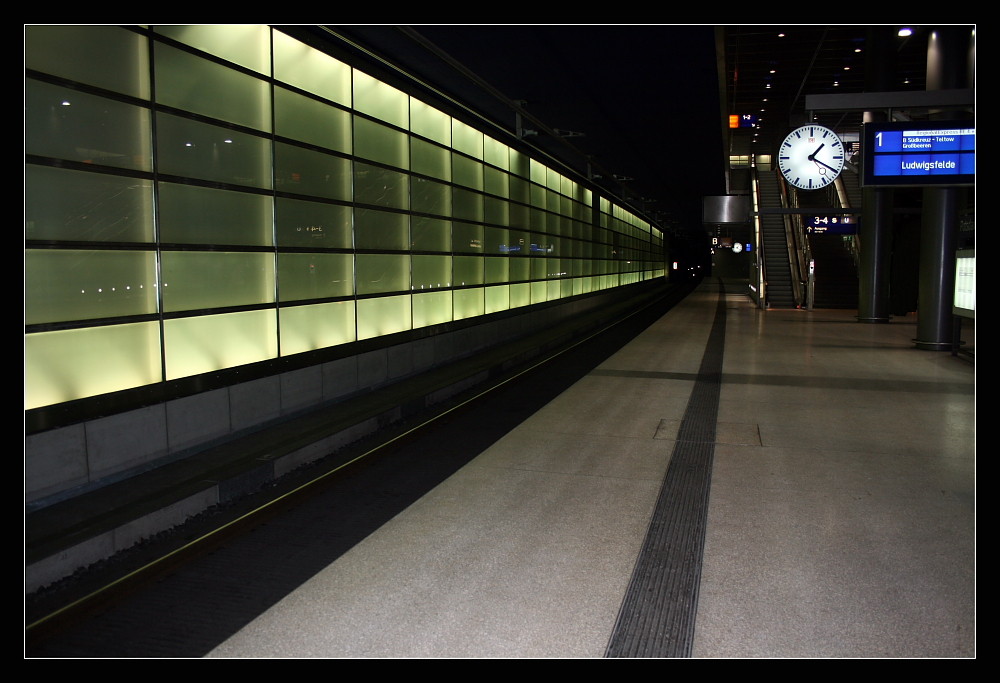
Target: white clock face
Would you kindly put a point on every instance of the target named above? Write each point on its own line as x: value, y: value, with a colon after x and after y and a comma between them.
x: 811, y: 157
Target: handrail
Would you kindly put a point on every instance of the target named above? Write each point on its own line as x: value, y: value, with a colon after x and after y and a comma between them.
x: 796, y: 267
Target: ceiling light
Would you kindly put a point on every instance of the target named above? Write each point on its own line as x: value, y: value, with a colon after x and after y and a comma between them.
x: 905, y: 32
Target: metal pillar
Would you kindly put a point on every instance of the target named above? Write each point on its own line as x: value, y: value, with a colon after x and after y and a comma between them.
x: 875, y: 231
x: 938, y: 240
x: 947, y: 67
x: 876, y: 237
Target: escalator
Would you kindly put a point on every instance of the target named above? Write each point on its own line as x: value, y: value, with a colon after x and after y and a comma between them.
x: 774, y: 244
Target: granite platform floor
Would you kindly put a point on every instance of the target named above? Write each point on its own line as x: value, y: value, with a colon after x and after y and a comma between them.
x: 841, y: 517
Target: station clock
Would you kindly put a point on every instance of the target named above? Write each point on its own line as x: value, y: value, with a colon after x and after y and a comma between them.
x: 811, y: 157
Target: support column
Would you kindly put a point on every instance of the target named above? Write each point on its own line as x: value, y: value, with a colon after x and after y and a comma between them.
x: 938, y: 239
x: 947, y: 67
x: 876, y: 237
x: 875, y: 231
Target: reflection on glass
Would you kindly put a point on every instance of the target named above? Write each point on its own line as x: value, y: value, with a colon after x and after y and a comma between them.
x: 315, y: 276
x: 61, y: 204
x: 199, y: 150
x: 74, y: 284
x: 313, y: 224
x: 69, y: 124
x: 200, y: 215
x: 213, y: 279
x: 377, y: 273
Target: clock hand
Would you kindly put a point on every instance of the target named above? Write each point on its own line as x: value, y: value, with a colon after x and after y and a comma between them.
x: 817, y: 161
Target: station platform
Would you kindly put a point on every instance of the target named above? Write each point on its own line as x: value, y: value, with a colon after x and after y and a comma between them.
x: 732, y: 482
x: 839, y: 522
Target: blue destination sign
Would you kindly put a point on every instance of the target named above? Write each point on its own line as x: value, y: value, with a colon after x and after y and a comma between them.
x: 920, y: 153
x: 831, y: 225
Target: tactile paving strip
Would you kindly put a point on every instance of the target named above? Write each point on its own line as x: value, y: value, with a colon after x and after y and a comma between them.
x: 658, y: 612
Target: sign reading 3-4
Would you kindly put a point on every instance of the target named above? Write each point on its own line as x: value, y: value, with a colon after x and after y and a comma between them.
x: 811, y: 157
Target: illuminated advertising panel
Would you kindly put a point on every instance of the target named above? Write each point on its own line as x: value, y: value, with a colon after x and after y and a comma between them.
x: 965, y: 283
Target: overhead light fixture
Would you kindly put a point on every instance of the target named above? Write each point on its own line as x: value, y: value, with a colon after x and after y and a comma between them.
x: 904, y: 32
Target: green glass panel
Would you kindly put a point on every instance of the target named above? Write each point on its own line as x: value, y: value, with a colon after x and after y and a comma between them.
x: 539, y: 220
x: 303, y: 118
x: 519, y: 164
x: 519, y: 242
x: 383, y: 315
x: 430, y: 197
x: 468, y: 270
x: 70, y: 364
x: 497, y: 211
x: 520, y: 295
x: 497, y: 299
x: 520, y: 216
x: 200, y: 215
x: 553, y: 180
x: 466, y: 171
x: 69, y: 124
x: 201, y: 344
x: 109, y: 57
x: 198, y: 150
x: 381, y: 230
x: 307, y: 328
x: 467, y: 237
x: 520, y: 190
x: 197, y: 279
x: 61, y: 204
x: 496, y: 241
x: 197, y: 85
x: 431, y: 234
x: 538, y: 172
x: 313, y: 224
x: 380, y: 186
x: 429, y: 122
x: 467, y: 205
x: 496, y: 153
x: 520, y: 269
x: 429, y: 159
x: 497, y: 269
x: 432, y: 308
x: 248, y: 45
x: 430, y: 272
x: 538, y: 196
x: 468, y: 303
x: 381, y: 100
x: 467, y: 139
x: 304, y: 171
x: 377, y: 273
x: 76, y: 284
x: 311, y: 70
x: 380, y: 143
x: 496, y: 182
x: 314, y: 276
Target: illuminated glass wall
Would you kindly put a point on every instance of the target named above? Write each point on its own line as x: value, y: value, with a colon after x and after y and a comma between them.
x: 199, y: 198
